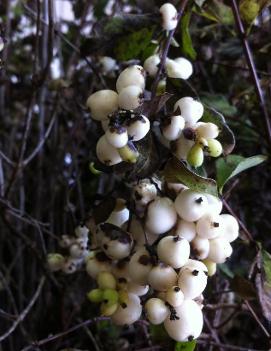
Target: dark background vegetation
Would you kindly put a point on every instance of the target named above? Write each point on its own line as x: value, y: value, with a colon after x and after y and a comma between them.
x: 47, y: 141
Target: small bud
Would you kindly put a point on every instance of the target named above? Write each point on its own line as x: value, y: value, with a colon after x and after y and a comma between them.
x: 106, y: 280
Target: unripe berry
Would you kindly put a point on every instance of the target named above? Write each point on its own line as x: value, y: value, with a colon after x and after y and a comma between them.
x: 108, y: 311
x: 195, y: 156
x: 106, y: 153
x: 230, y: 227
x: 162, y: 277
x: 95, y: 295
x: 192, y: 279
x: 140, y: 266
x: 174, y: 296
x: 191, y: 110
x: 190, y: 205
x: 55, y: 261
x: 185, y: 229
x: 210, y: 226
x: 207, y: 130
x: 138, y: 127
x: 110, y: 296
x: 102, y: 103
x: 156, y: 310
x: 187, y: 324
x: 133, y: 75
x: 214, y: 148
x: 151, y: 65
x: 128, y: 313
x: 172, y: 127
x: 200, y: 247
x: 116, y: 136
x: 161, y: 207
x: 106, y: 280
x: 128, y: 153
x: 220, y: 250
x: 169, y: 16
x: 174, y: 251
x: 211, y: 266
x: 130, y: 97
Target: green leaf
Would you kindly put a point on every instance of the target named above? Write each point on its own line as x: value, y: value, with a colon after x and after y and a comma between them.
x: 220, y: 103
x: 177, y: 172
x: 136, y: 45
x: 249, y: 10
x: 216, y: 11
x: 187, y: 45
x: 266, y: 257
x: 230, y: 166
x: 185, y: 346
x: 226, y: 136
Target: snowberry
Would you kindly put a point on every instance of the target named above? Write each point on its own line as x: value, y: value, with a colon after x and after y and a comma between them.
x: 220, y: 250
x: 102, y: 103
x: 156, y: 310
x: 81, y: 231
x: 106, y: 153
x: 207, y: 130
x: 186, y: 67
x: 120, y: 269
x: 182, y: 70
x: 181, y: 147
x: 174, y: 251
x: 174, y: 296
x: 214, y: 205
x: 138, y: 127
x: 151, y: 65
x: 191, y: 205
x: 108, y: 64
x: 200, y: 247
x: 191, y: 110
x: 185, y: 229
x: 70, y: 265
x: 128, y: 313
x: 133, y: 75
x: 230, y: 226
x: 214, y: 148
x: 97, y: 263
x: 55, y: 261
x: 137, y: 289
x: 105, y: 124
x: 161, y: 208
x: 120, y: 214
x: 130, y: 97
x: 117, y: 246
x: 210, y: 226
x: 66, y: 241
x: 177, y: 187
x: 116, y: 136
x: 172, y: 127
x: 140, y: 266
x: 144, y: 191
x: 186, y: 323
x: 77, y: 251
x: 195, y: 156
x: 106, y: 280
x: 169, y: 16
x: 192, y: 279
x: 162, y: 277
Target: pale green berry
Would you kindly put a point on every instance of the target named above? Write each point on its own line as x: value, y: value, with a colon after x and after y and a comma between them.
x: 108, y: 310
x: 214, y: 148
x: 55, y: 261
x: 195, y: 156
x: 106, y: 280
x: 95, y: 295
x: 110, y: 296
x: 128, y: 153
x: 211, y: 266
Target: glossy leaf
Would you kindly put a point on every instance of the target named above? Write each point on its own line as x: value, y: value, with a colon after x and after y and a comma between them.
x: 185, y: 346
x: 187, y: 44
x: 228, y: 167
x: 177, y: 172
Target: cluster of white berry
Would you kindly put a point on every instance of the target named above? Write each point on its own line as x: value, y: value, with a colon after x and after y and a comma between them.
x: 77, y: 250
x: 158, y: 255
x: 121, y: 123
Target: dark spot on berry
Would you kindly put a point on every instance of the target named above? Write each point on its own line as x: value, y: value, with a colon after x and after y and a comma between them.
x: 105, y: 246
x: 199, y: 200
x: 195, y: 272
x: 189, y: 134
x: 138, y: 197
x: 122, y: 280
x: 145, y: 260
x: 176, y: 289
x: 123, y: 305
x: 177, y: 238
x: 190, y: 338
x: 216, y: 224
x: 105, y: 301
x: 206, y: 273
